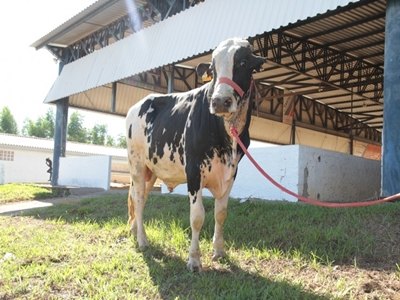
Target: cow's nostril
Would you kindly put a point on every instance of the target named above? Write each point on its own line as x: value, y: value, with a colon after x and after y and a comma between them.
x: 213, y: 104
x: 228, y: 102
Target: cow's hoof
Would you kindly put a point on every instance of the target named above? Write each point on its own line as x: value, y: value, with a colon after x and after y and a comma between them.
x: 143, y: 244
x: 142, y: 248
x: 218, y: 254
x: 194, y: 265
x: 133, y: 230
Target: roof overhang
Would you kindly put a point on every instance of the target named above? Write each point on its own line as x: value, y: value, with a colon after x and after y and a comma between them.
x: 188, y: 34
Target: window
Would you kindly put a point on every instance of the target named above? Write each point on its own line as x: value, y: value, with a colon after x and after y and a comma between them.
x: 6, y: 155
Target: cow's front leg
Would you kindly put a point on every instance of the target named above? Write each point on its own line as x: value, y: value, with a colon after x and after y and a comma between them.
x: 196, y: 223
x: 220, y: 213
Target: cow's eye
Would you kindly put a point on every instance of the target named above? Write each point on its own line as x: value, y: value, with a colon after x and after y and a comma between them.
x: 243, y: 63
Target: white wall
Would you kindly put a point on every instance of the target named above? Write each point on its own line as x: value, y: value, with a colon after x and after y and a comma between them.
x: 85, y: 171
x: 279, y: 162
x: 307, y: 171
x: 28, y: 166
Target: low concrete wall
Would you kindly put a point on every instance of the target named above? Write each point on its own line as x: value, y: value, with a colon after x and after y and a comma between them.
x: 338, y: 177
x: 317, y: 173
x: 26, y: 166
x: 85, y: 171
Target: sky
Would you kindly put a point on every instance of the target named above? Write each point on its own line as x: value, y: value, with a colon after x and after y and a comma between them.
x: 26, y: 74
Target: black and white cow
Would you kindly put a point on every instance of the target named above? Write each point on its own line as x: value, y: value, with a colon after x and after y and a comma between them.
x: 185, y: 137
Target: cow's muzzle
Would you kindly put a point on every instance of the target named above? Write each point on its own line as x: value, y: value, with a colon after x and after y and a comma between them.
x: 221, y: 105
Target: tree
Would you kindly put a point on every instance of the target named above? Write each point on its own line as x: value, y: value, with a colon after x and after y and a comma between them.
x: 7, y: 121
x: 76, y: 131
x: 43, y: 127
x: 48, y: 122
x: 110, y: 141
x: 121, y: 141
x: 98, y: 134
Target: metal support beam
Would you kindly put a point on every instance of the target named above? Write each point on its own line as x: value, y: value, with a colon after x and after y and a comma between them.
x: 391, y: 111
x: 60, y: 137
x: 113, y: 96
x: 293, y: 133
x: 323, y: 63
x: 170, y: 76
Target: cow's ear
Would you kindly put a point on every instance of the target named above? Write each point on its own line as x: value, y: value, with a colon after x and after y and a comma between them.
x: 204, y: 71
x: 256, y: 62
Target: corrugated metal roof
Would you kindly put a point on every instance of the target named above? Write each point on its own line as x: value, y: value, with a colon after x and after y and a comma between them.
x: 189, y: 33
x: 24, y: 142
x: 351, y: 31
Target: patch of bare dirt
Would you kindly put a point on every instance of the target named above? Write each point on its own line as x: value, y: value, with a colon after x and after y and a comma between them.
x: 343, y: 282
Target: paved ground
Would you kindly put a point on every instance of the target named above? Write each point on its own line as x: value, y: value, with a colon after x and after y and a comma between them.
x: 76, y: 195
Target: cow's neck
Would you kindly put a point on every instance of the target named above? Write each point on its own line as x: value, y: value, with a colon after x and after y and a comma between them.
x: 239, y: 119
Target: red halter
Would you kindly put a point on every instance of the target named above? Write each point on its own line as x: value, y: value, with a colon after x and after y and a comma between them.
x: 232, y: 84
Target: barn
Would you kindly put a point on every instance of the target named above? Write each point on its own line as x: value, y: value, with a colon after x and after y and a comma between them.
x: 323, y: 86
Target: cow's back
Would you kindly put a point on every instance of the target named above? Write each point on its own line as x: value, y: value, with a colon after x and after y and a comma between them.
x: 156, y: 128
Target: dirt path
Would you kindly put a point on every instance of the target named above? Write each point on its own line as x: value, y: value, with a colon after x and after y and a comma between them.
x: 76, y: 195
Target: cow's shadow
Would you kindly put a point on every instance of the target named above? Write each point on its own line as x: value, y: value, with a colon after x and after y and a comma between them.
x: 278, y: 226
x: 173, y: 280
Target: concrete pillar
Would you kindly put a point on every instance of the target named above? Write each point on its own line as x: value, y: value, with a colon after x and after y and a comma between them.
x: 60, y: 137
x: 391, y: 124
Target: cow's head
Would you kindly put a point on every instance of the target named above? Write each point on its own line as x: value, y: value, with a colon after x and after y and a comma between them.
x: 232, y: 66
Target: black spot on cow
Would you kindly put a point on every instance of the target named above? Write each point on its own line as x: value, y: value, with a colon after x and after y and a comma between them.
x: 181, y: 153
x: 130, y: 131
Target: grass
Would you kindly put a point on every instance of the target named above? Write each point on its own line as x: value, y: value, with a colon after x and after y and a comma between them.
x: 13, y: 192
x: 275, y: 251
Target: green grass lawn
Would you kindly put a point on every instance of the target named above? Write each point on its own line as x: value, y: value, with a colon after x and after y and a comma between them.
x: 12, y: 192
x: 275, y: 251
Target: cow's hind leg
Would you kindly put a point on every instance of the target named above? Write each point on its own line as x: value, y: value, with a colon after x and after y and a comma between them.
x: 131, y: 211
x: 142, y: 180
x: 196, y: 223
x: 131, y: 205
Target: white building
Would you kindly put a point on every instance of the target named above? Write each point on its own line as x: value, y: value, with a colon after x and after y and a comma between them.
x: 23, y: 159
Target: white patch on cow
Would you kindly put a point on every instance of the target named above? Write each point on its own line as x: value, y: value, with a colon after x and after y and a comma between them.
x: 223, y: 59
x: 220, y: 178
